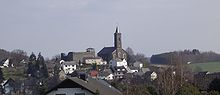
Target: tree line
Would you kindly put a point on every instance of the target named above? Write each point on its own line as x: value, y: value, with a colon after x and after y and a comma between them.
x: 186, y: 56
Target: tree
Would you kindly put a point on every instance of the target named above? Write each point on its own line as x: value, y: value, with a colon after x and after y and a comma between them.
x: 41, y: 67
x: 17, y: 56
x: 130, y: 56
x: 129, y: 51
x: 94, y: 66
x: 152, y: 90
x: 174, y: 76
x: 188, y: 90
x: 141, y: 58
x: 37, y: 67
x: 214, y: 85
x: 31, y: 65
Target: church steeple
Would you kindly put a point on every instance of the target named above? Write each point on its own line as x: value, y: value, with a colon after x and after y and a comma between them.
x: 117, y: 38
x: 116, y: 31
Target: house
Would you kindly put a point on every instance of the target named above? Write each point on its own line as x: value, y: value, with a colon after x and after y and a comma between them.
x: 116, y: 52
x: 93, y: 73
x: 106, y: 74
x: 9, y: 86
x: 69, y: 67
x: 118, y: 72
x: 83, y: 86
x: 118, y: 63
x: 133, y: 69
x: 94, y: 60
x: 123, y: 63
x: 29, y: 85
x: 6, y: 63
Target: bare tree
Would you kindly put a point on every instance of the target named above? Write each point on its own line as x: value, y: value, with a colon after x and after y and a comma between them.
x: 176, y: 74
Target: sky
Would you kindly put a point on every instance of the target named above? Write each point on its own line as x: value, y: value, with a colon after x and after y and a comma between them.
x: 147, y: 26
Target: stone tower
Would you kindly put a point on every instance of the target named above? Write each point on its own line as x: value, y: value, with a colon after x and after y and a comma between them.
x: 117, y: 39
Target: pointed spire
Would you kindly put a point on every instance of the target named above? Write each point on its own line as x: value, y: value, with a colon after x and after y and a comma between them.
x: 116, y: 31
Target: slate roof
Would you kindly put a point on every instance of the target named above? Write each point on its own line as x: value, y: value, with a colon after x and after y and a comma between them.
x: 134, y: 68
x: 106, y: 72
x: 106, y: 50
x: 92, y: 58
x: 92, y: 85
x: 70, y: 63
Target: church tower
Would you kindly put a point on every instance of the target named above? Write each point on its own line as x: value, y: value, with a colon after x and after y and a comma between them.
x: 117, y: 39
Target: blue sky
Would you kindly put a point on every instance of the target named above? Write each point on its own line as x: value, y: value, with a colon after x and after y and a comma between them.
x: 147, y: 26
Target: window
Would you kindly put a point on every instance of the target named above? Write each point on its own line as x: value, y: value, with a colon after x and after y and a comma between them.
x: 80, y: 94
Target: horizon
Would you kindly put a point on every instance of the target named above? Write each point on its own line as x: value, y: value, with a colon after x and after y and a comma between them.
x: 148, y: 27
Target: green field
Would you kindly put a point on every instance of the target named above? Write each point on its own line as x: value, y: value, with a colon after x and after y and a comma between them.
x: 210, y: 66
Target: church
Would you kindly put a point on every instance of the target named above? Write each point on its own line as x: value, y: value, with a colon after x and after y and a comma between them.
x: 116, y: 52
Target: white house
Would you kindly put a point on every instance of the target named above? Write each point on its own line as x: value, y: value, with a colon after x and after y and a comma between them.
x: 68, y: 67
x: 94, y: 60
x: 118, y: 63
x: 6, y: 64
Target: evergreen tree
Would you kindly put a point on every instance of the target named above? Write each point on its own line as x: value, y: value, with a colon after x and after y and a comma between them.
x: 37, y: 67
x: 31, y: 65
x: 41, y: 67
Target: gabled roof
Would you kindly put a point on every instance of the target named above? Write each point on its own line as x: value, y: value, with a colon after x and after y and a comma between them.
x: 69, y: 83
x: 10, y: 81
x: 106, y: 50
x: 92, y: 85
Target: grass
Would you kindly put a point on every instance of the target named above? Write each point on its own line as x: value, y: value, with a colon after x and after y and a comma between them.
x: 209, y: 66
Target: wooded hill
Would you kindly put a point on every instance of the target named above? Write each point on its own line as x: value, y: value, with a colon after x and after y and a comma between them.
x: 186, y: 56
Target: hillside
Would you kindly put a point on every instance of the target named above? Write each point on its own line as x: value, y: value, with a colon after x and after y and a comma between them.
x: 208, y: 66
x: 192, y: 56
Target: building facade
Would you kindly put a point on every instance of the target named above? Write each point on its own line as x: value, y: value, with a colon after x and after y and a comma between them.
x: 69, y: 67
x: 94, y: 60
x: 78, y: 56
